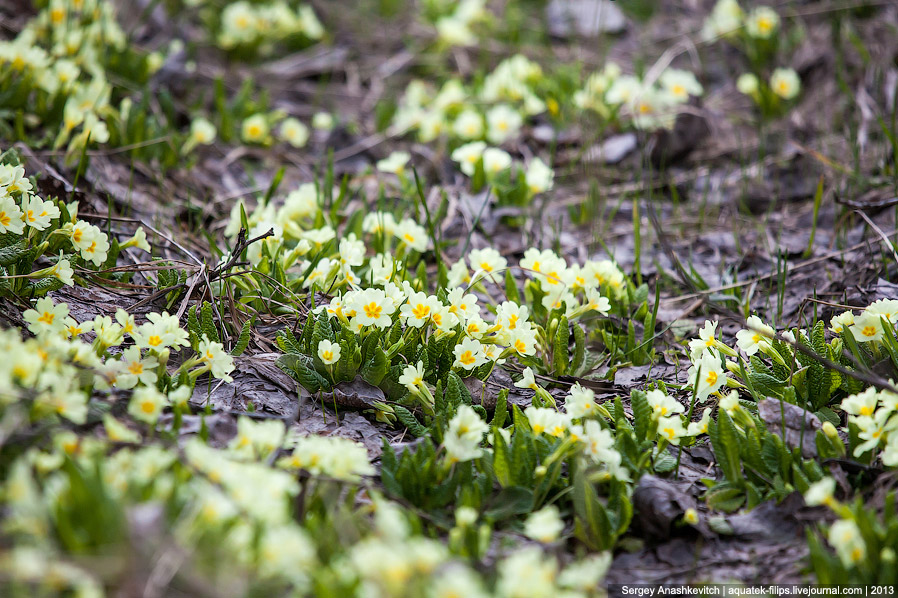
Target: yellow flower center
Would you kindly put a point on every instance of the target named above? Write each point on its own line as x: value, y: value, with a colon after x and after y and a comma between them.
x: 421, y: 311
x: 670, y: 433
x: 866, y: 410
x: 869, y: 331
x: 467, y: 358
x: 135, y: 368
x: 520, y: 346
x: 4, y: 219
x: 47, y: 318
x: 373, y: 310
x: 711, y: 379
x: 148, y: 407
x: 327, y: 355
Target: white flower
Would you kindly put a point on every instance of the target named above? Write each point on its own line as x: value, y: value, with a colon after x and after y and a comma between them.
x: 372, y: 307
x: 503, y: 123
x: 294, y: 132
x: 544, y: 525
x: 464, y: 434
x: 468, y: 125
x: 468, y: 156
x: 820, y: 493
x: 887, y: 308
x: 671, y: 429
x: 863, y: 403
x: 712, y: 375
x: 539, y: 176
x: 846, y: 538
x: 757, y: 336
x: 580, y: 402
x: 841, y: 321
x: 323, y: 121
x: 706, y: 340
x: 38, y: 213
x: 136, y: 369
x: 328, y: 352
x: 867, y: 327
x: 254, y: 129
x: 748, y: 83
x: 785, y: 83
x: 216, y: 359
x: 488, y: 261
x: 663, y: 405
x: 202, y: 132
x: 469, y: 354
x: 413, y: 376
x: 701, y: 426
x: 46, y: 317
x: 412, y: 234
x: 544, y: 420
x: 11, y: 220
x: 495, y: 161
x: 418, y: 309
x: 680, y: 84
x: 394, y: 163
x: 762, y: 22
x: 147, y: 404
x: 455, y: 32
x: 527, y: 380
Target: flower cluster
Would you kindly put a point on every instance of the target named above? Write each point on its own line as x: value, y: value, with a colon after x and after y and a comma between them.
x: 648, y: 104
x: 250, y: 25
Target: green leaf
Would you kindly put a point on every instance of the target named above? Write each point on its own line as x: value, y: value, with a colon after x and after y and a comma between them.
x: 243, y: 339
x: 579, y: 350
x: 501, y: 461
x: 409, y: 420
x: 511, y: 287
x: 726, y: 449
x: 376, y: 368
x: 511, y: 501
x: 501, y: 412
x: 13, y: 253
x: 560, y: 348
x: 642, y: 414
x: 299, y: 367
x: 287, y: 342
x: 591, y: 519
x: 207, y: 322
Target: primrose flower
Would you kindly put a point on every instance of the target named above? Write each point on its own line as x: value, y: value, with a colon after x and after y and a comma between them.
x: 748, y: 84
x: 11, y: 220
x: 372, y: 308
x: 755, y: 337
x: 863, y: 403
x: 464, y: 434
x: 706, y: 340
x: 136, y: 369
x: 841, y: 321
x: 544, y: 420
x: 503, y: 123
x: 680, y: 84
x: 495, y: 161
x: 417, y: 310
x: 487, y: 260
x: 468, y: 156
x: 412, y: 234
x: 413, y: 377
x: 885, y: 308
x: 671, y: 429
x: 323, y: 121
x: 202, y: 132
x: 580, y: 402
x: 464, y: 305
x: 712, y: 374
x: 376, y: 222
x: 139, y: 240
x: 867, y: 327
x: 394, y: 163
x: 254, y: 129
x: 544, y: 525
x: 663, y: 405
x: 468, y: 125
x: 38, y: 213
x: 257, y: 438
x: 821, y: 493
x: 701, y: 426
x: 873, y: 430
x: 294, y: 132
x: 539, y: 176
x: 725, y: 18
x: 845, y: 536
x: 116, y: 431
x: 762, y: 22
x: 46, y: 317
x: 469, y: 354
x: 328, y: 352
x: 527, y: 380
x: 146, y: 404
x: 596, y: 302
x: 785, y: 83
x: 523, y: 340
x: 217, y: 360
x: 13, y: 179
x: 455, y: 32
